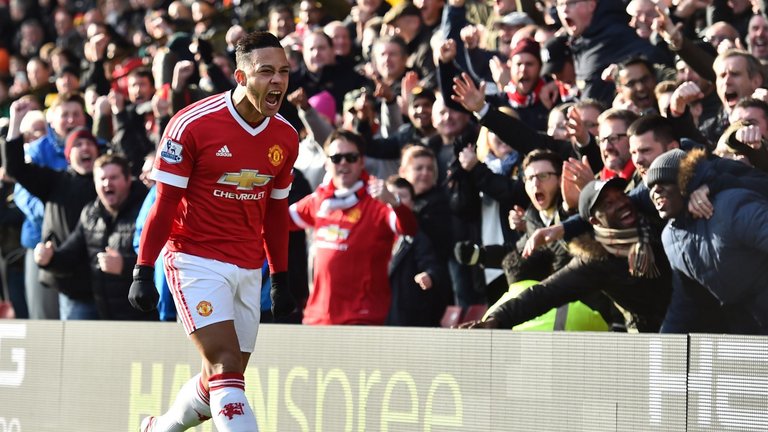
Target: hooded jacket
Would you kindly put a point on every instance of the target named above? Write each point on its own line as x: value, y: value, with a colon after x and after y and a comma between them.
x: 724, y: 256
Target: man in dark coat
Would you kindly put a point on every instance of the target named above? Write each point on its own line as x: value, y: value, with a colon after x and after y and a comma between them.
x: 600, y: 36
x: 625, y: 261
x: 718, y: 262
x: 104, y: 238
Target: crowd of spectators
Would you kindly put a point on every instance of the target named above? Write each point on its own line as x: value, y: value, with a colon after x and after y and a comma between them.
x: 553, y: 153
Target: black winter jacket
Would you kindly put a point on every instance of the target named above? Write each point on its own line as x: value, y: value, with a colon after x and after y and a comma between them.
x: 64, y: 193
x: 97, y: 230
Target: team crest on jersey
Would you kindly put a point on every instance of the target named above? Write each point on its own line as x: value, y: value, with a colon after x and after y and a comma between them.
x: 204, y: 308
x: 275, y: 155
x: 171, y: 151
x: 353, y: 215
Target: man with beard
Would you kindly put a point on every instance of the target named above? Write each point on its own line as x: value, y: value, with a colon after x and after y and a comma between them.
x: 526, y: 83
x: 718, y: 262
x: 633, y: 271
x: 614, y: 146
x: 649, y: 137
x: 635, y: 80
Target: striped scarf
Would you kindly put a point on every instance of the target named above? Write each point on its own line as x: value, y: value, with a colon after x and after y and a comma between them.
x: 633, y: 243
x: 340, y: 199
x: 519, y: 100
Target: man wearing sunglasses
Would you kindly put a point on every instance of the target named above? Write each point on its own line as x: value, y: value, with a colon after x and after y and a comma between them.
x: 355, y: 221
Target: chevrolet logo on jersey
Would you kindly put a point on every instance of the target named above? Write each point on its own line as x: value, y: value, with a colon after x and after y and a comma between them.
x: 246, y: 179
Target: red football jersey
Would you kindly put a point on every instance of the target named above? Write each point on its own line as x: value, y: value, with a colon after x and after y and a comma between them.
x: 352, y: 252
x: 230, y: 170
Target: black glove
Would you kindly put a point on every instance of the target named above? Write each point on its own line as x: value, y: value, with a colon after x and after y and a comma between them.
x: 468, y: 253
x: 283, y: 303
x: 143, y: 295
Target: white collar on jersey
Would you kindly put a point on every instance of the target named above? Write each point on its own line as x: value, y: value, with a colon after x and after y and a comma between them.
x: 244, y: 124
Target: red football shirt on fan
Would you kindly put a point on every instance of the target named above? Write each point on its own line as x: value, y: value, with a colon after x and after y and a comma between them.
x: 352, y: 251
x: 230, y: 170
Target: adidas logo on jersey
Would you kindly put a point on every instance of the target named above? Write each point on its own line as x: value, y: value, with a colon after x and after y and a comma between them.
x: 224, y: 152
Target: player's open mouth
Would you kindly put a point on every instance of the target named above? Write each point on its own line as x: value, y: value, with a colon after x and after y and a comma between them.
x: 539, y: 198
x: 273, y: 99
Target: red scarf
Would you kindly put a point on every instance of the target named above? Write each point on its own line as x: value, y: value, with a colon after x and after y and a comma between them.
x: 519, y: 100
x: 567, y: 93
x: 328, y: 190
x: 626, y: 173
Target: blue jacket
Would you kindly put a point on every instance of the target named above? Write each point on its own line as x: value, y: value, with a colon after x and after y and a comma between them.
x: 720, y: 282
x: 726, y: 254
x: 45, y: 151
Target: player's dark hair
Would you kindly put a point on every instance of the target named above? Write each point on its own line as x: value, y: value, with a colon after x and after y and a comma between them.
x: 253, y: 41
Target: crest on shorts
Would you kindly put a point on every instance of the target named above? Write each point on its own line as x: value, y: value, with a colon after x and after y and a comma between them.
x: 275, y: 155
x: 171, y: 151
x: 204, y: 308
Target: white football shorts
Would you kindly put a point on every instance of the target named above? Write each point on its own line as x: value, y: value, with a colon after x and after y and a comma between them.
x: 207, y: 291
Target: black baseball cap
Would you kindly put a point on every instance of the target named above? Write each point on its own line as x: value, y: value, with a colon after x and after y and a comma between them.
x: 419, y: 92
x: 554, y: 54
x: 592, y: 191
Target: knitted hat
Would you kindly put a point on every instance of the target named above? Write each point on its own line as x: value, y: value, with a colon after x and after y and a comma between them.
x: 529, y: 46
x: 75, y: 135
x: 592, y: 191
x: 664, y: 168
x: 325, y: 104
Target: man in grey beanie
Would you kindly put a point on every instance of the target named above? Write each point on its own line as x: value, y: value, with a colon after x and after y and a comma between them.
x: 718, y: 264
